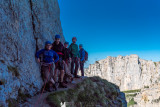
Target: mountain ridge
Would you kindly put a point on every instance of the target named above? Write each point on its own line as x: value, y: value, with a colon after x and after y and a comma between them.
x: 119, y: 69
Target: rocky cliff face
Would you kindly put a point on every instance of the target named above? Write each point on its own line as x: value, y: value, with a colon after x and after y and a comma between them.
x: 25, y: 26
x: 129, y: 72
x: 148, y: 97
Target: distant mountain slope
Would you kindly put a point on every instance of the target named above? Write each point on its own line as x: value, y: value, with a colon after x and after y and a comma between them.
x: 128, y: 72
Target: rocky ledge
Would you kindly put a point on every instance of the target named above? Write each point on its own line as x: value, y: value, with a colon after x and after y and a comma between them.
x: 91, y: 91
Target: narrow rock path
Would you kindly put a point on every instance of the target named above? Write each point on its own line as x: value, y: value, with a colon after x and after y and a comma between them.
x: 40, y: 99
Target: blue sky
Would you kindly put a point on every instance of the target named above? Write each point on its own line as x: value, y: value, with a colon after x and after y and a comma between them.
x: 113, y: 27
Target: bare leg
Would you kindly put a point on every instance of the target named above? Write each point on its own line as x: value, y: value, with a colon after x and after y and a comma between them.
x: 53, y: 82
x: 62, y: 75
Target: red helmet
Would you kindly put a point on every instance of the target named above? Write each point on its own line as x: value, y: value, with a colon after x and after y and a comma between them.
x: 74, y: 38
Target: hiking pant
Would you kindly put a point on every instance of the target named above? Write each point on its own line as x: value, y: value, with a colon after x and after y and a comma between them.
x: 67, y: 69
x: 74, y: 71
x: 47, y: 71
x: 68, y: 76
x: 82, y: 68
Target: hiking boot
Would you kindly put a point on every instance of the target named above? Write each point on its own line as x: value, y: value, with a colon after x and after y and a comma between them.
x: 50, y: 89
x: 63, y: 85
x: 82, y: 77
x: 56, y: 85
x: 73, y: 82
x: 72, y: 79
x: 77, y: 76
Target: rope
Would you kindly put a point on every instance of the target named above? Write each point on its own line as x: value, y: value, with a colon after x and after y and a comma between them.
x: 43, y: 88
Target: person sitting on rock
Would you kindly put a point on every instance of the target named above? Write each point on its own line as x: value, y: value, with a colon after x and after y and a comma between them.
x: 82, y: 59
x: 58, y: 47
x: 47, y: 69
x: 75, y: 57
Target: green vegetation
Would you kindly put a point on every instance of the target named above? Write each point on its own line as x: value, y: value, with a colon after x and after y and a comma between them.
x: 142, y: 67
x: 92, y: 91
x: 151, y: 80
x: 131, y: 102
x: 132, y: 91
x: 97, y: 62
x: 158, y: 78
x: 155, y: 63
x: 14, y: 71
x: 131, y: 95
x: 146, y: 86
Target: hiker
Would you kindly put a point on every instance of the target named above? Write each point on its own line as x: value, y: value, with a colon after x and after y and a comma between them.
x: 67, y: 58
x: 47, y: 68
x: 58, y: 47
x: 67, y: 53
x: 82, y: 59
x: 75, y: 57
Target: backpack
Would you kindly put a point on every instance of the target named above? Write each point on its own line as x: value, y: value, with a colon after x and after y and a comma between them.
x: 86, y: 56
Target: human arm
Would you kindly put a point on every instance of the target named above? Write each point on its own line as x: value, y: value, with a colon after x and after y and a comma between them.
x: 56, y: 57
x: 38, y: 54
x: 83, y: 55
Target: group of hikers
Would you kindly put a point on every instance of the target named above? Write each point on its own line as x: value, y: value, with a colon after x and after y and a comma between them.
x: 60, y: 64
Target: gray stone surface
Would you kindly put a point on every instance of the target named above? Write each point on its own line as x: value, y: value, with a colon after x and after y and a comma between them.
x: 24, y: 27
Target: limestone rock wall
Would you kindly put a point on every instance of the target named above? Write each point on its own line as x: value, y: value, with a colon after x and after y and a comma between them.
x: 24, y: 27
x: 128, y: 72
x: 148, y: 97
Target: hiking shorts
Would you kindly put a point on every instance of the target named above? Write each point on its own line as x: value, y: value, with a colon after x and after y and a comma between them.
x: 60, y: 64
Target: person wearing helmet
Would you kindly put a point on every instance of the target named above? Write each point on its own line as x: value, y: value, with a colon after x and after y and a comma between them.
x: 58, y: 47
x: 47, y: 68
x: 67, y: 58
x: 67, y: 53
x: 82, y: 59
x: 75, y: 57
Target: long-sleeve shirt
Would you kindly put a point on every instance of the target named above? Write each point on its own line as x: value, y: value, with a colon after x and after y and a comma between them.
x: 59, y: 49
x: 82, y: 54
x: 74, y: 50
x: 48, y: 55
x: 67, y: 54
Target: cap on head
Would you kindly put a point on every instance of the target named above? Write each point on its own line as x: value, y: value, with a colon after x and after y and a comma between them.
x: 48, y: 42
x: 66, y: 43
x: 57, y: 36
x: 81, y: 45
x: 74, y: 38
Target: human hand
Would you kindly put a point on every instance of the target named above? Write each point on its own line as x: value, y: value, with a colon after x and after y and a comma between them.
x: 39, y: 60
